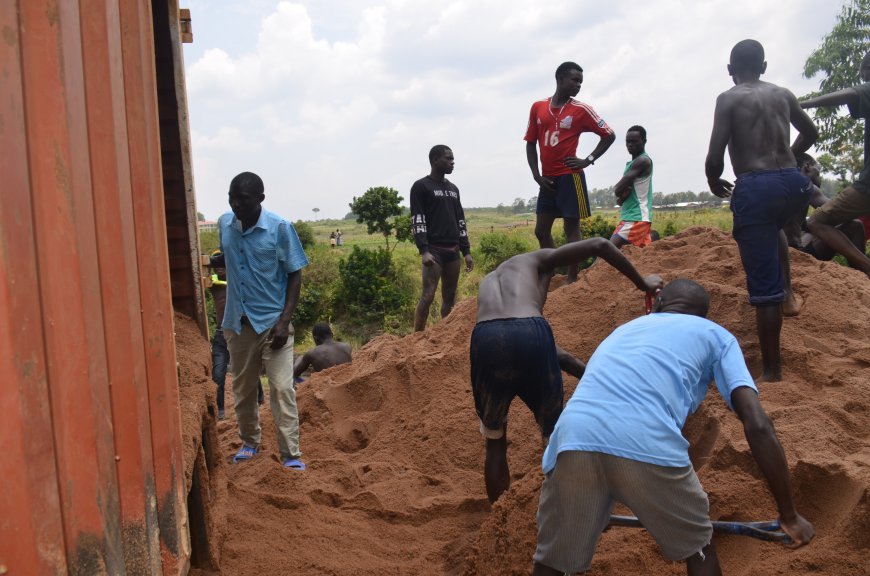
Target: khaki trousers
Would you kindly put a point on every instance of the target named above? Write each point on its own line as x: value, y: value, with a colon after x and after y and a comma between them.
x: 249, y: 352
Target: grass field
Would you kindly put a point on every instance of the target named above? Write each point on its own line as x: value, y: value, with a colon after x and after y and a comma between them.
x: 481, y: 221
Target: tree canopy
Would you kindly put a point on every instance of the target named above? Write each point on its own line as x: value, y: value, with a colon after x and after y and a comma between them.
x: 838, y: 61
x: 380, y: 209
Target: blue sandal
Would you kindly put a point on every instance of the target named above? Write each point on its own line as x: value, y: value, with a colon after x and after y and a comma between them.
x: 245, y: 453
x: 294, y: 463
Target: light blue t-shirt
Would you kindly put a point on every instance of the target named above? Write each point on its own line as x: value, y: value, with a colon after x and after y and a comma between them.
x: 258, y: 261
x: 642, y: 383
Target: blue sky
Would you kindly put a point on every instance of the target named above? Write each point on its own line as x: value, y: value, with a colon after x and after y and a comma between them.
x: 326, y: 99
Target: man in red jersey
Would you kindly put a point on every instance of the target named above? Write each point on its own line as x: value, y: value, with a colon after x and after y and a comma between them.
x: 555, y: 124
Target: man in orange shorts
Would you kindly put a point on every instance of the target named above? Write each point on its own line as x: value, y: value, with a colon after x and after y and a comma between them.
x: 634, y: 193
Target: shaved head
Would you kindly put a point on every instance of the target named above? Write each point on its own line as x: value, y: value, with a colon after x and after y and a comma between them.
x: 747, y: 56
x: 685, y: 297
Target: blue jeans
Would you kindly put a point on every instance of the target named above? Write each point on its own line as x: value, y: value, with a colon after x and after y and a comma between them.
x: 220, y: 359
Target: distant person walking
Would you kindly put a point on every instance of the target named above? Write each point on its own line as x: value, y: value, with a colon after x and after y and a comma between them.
x: 440, y: 232
x: 326, y: 352
x: 264, y: 260
x: 513, y: 352
x: 634, y: 193
x: 752, y: 120
x: 854, y: 201
x: 555, y: 126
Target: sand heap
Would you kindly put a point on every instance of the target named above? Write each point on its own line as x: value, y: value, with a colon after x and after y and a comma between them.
x: 395, y: 483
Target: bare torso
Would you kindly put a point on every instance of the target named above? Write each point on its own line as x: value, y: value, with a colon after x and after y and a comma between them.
x: 760, y: 115
x: 329, y: 354
x: 516, y: 289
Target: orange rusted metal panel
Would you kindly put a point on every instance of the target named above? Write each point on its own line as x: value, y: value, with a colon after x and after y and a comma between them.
x: 31, y: 531
x: 92, y: 470
x: 150, y: 224
x: 113, y: 212
x: 71, y: 315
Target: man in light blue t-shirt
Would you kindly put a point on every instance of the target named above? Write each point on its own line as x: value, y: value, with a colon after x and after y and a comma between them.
x: 619, y: 439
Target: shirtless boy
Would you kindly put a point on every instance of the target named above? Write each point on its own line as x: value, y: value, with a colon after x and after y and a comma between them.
x: 513, y: 352
x: 752, y: 119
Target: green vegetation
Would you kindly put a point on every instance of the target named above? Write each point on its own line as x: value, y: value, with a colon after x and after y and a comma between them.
x: 363, y: 289
x: 838, y: 60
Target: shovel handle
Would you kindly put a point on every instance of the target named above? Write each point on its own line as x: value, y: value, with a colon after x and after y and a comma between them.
x: 767, y: 530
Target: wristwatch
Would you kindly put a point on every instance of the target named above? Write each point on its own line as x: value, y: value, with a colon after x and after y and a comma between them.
x: 590, y: 159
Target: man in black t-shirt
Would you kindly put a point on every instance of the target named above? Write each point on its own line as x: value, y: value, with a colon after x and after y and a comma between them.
x: 438, y: 225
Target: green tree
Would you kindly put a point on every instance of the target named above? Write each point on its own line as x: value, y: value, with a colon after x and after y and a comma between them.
x: 838, y: 60
x: 519, y: 206
x: 370, y: 288
x: 380, y: 209
x: 305, y: 233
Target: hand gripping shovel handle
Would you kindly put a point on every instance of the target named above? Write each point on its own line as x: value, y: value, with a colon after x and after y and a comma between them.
x: 767, y: 531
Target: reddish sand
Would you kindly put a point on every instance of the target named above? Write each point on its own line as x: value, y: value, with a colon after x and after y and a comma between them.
x: 395, y: 484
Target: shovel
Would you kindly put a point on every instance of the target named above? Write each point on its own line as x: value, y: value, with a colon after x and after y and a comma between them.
x: 768, y: 531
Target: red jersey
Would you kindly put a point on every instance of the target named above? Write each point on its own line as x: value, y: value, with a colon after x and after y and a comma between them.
x: 557, y: 131
x: 865, y: 220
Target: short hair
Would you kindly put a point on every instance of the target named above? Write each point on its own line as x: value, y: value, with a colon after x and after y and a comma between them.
x: 566, y: 67
x: 747, y: 56
x: 321, y: 331
x: 438, y: 151
x: 691, y: 291
x: 804, y: 159
x: 638, y: 128
x: 249, y: 182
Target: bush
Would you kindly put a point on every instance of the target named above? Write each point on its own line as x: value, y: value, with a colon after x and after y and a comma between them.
x: 670, y: 229
x: 319, y: 284
x: 371, y: 289
x: 496, y: 247
x: 305, y: 233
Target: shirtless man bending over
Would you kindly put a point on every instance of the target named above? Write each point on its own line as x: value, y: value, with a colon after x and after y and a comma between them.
x: 513, y: 352
x: 752, y: 119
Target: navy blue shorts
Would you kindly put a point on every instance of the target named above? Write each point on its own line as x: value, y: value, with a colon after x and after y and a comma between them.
x: 571, y: 199
x: 761, y: 204
x: 515, y: 357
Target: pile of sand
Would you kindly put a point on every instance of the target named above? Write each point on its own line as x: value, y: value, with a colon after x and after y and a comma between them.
x: 395, y: 483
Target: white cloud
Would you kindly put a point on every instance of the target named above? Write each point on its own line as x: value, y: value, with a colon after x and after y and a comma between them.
x: 325, y: 99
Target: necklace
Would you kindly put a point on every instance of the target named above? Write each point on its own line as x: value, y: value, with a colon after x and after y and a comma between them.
x: 558, y: 114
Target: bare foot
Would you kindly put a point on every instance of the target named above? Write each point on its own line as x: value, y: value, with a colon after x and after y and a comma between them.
x: 792, y: 304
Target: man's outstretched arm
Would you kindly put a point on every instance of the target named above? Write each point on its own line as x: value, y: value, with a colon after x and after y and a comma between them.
x: 576, y: 252
x: 845, y: 97
x: 770, y: 457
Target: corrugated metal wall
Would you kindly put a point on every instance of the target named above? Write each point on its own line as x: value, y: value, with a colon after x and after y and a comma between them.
x: 92, y: 476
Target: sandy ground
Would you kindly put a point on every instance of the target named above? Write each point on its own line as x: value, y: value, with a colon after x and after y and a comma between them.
x: 395, y: 483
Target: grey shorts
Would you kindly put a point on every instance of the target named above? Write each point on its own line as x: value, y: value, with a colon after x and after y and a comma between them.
x: 578, y: 495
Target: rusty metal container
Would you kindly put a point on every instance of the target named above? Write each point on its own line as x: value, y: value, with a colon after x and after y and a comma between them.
x: 92, y: 473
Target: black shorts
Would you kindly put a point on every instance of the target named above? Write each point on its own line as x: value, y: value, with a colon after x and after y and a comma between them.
x: 444, y: 254
x: 515, y: 357
x: 571, y: 199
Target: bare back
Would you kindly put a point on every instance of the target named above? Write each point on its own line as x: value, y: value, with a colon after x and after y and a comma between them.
x: 516, y: 289
x: 329, y: 354
x: 760, y: 115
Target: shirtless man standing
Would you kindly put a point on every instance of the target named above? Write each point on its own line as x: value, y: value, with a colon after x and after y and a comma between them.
x: 326, y: 353
x: 513, y: 352
x: 752, y: 119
